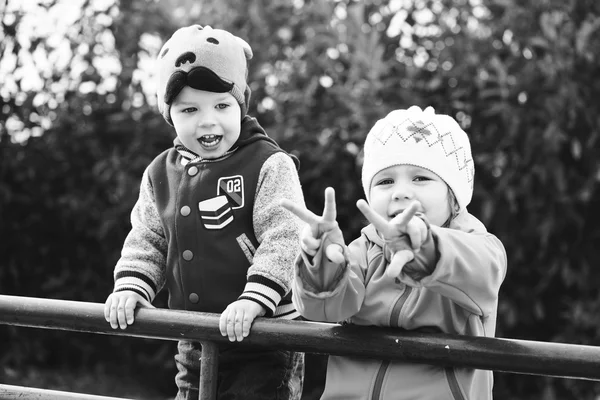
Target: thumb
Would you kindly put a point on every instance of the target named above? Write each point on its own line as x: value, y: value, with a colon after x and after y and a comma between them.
x: 334, y: 253
x: 399, y: 260
x: 146, y: 303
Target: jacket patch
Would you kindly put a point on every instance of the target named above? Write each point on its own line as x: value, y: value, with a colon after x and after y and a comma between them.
x: 246, y: 246
x: 233, y: 188
x: 215, y: 213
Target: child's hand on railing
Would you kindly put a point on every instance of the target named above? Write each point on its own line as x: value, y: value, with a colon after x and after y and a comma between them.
x: 120, y: 306
x: 404, y: 234
x: 310, y: 238
x: 236, y: 320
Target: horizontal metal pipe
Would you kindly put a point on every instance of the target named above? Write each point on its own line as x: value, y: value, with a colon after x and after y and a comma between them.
x: 10, y: 392
x: 504, y: 355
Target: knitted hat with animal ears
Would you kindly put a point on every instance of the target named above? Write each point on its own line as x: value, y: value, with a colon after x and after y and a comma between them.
x: 206, y: 59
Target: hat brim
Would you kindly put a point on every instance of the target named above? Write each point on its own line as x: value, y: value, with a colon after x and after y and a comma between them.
x: 200, y: 78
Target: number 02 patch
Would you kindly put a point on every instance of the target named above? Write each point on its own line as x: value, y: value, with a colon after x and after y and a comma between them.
x: 233, y: 188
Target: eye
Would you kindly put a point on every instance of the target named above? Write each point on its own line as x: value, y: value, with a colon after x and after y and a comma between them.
x: 421, y: 178
x: 222, y: 106
x: 188, y: 110
x: 187, y: 57
x: 384, y: 181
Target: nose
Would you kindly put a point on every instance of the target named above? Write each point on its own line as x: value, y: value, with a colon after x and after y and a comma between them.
x: 206, y: 119
x: 402, y: 191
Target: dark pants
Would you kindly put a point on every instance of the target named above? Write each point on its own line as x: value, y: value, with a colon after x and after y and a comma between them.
x: 244, y: 373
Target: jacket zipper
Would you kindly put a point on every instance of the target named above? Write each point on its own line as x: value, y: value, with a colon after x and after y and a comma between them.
x: 379, y: 380
x: 453, y: 382
x: 393, y: 323
x: 200, y: 160
x: 395, y: 315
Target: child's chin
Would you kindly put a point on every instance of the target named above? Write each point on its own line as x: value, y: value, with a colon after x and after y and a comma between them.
x: 209, y: 155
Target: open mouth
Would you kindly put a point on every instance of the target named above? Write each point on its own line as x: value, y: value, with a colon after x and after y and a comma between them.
x: 209, y: 141
x: 394, y: 214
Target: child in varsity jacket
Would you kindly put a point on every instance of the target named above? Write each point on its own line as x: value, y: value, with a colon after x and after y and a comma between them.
x: 424, y: 263
x: 208, y: 224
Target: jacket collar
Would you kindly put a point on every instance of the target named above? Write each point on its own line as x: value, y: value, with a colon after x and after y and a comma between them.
x: 251, y: 131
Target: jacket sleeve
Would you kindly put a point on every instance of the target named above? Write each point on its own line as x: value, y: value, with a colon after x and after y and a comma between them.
x: 329, y: 292
x: 278, y: 233
x: 142, y: 265
x: 468, y: 265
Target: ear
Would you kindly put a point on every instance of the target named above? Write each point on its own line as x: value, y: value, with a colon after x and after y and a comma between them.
x: 246, y: 47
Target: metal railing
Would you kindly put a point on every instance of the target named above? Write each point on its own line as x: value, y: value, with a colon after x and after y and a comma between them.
x: 502, y: 355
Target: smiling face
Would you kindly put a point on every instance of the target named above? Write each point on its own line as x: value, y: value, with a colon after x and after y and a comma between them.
x: 207, y: 123
x: 395, y: 187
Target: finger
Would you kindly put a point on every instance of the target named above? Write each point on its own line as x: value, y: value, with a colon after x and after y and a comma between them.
x: 417, y: 232
x: 329, y: 210
x: 146, y: 303
x: 247, y: 325
x: 238, y: 327
x: 301, y: 212
x: 114, y: 323
x: 424, y: 233
x: 129, y: 309
x: 399, y: 260
x: 310, y: 245
x: 223, y: 323
x: 107, y: 309
x: 121, y: 313
x: 231, y: 326
x: 401, y: 220
x: 335, y: 253
x: 380, y: 223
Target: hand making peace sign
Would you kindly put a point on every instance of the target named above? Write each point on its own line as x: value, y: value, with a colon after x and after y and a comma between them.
x: 311, y: 236
x: 404, y: 234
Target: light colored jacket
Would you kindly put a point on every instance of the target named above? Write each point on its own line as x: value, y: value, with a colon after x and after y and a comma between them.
x: 459, y: 296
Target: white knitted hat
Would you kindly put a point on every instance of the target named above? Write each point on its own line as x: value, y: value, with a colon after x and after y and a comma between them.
x: 203, y: 58
x: 422, y: 138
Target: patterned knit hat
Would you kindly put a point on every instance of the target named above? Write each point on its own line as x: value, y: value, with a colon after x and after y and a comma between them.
x: 424, y: 139
x: 202, y: 58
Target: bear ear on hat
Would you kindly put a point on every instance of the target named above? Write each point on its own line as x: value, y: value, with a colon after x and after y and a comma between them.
x: 247, y: 49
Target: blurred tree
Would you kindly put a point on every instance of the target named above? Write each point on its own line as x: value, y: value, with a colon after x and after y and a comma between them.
x: 78, y: 125
x: 75, y: 135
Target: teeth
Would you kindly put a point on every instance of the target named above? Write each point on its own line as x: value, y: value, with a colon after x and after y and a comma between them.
x: 210, y: 140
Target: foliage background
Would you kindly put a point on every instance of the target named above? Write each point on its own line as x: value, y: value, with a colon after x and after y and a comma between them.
x: 78, y: 125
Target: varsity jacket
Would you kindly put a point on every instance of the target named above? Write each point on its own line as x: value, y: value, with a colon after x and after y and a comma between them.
x: 212, y: 231
x: 466, y: 266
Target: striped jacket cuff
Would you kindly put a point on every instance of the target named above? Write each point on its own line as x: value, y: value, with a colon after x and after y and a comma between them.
x: 286, y: 310
x: 264, y: 291
x: 136, y: 282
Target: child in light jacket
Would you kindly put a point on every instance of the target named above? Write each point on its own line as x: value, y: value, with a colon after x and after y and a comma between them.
x: 424, y: 263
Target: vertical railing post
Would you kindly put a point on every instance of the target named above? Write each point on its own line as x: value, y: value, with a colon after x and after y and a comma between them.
x: 209, y: 367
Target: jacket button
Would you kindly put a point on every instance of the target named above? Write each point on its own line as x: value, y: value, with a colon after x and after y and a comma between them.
x: 185, y: 211
x: 188, y: 255
x: 192, y: 171
x: 193, y: 298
